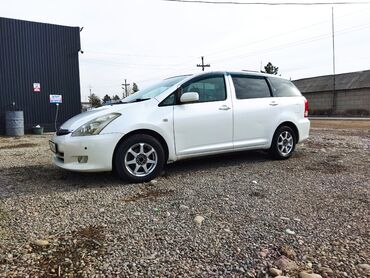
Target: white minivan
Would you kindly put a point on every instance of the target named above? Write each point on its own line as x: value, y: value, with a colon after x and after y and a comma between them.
x: 183, y: 117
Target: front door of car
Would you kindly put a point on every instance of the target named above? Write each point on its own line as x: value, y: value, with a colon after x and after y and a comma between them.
x: 205, y: 125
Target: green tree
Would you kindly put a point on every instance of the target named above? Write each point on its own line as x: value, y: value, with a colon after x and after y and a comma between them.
x: 271, y: 69
x: 115, y: 97
x: 94, y: 100
x: 135, y: 88
x: 106, y: 99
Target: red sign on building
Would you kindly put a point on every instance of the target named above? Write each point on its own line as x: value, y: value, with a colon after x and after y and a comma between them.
x: 36, y: 87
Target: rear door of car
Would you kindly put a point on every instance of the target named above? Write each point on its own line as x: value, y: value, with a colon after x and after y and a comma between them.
x: 255, y: 111
x: 288, y: 96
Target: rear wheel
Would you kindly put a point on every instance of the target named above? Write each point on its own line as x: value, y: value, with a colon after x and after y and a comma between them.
x: 139, y: 158
x: 283, y: 143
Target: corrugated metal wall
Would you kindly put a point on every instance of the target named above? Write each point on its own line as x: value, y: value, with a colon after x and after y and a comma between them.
x: 33, y: 52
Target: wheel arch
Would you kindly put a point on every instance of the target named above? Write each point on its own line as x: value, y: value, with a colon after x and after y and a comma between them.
x: 149, y: 132
x: 292, y: 126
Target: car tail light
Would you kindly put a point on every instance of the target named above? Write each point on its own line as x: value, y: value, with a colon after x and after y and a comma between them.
x: 305, y: 108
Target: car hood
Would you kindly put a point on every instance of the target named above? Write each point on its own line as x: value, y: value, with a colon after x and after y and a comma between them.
x: 80, y: 119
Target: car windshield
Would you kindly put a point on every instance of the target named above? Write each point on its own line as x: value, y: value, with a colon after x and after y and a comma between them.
x: 154, y: 90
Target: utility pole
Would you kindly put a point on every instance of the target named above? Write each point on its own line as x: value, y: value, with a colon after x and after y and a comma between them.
x: 125, y: 88
x: 203, y: 65
x: 90, y: 95
x: 333, y: 39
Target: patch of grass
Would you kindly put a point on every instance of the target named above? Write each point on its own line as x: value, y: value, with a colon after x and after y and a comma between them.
x: 18, y: 146
x: 342, y: 124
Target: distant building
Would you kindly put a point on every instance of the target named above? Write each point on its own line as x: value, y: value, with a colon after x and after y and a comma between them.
x: 38, y: 60
x: 85, y: 105
x: 351, y: 97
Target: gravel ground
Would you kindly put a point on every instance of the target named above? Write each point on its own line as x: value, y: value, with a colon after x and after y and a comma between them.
x: 231, y: 216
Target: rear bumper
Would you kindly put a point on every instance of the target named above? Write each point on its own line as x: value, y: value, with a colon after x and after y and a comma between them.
x: 303, y: 129
x: 96, y: 151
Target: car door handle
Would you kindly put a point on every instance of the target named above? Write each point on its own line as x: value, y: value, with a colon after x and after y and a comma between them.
x: 224, y: 107
x: 273, y: 103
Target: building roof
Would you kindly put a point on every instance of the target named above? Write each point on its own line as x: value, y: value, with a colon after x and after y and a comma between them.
x: 344, y: 81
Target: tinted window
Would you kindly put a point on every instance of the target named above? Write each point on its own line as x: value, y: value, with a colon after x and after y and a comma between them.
x: 283, y: 88
x: 209, y: 89
x: 251, y: 87
x: 170, y: 100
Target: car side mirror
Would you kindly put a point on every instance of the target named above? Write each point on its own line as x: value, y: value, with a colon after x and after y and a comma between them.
x: 189, y: 97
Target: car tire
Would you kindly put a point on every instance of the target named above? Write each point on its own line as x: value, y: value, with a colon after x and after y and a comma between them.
x: 283, y: 143
x: 139, y: 158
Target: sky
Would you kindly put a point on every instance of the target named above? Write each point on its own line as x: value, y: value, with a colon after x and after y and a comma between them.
x: 145, y: 41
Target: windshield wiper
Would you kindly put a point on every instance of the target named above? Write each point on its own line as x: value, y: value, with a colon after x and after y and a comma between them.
x: 114, y: 103
x: 138, y: 100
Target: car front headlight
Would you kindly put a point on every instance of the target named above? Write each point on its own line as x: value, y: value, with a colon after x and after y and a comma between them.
x: 95, y: 126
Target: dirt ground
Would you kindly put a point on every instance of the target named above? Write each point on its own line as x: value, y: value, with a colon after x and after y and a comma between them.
x: 341, y: 124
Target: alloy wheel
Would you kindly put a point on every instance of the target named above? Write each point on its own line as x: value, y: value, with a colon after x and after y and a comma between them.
x: 141, y: 159
x: 285, y: 143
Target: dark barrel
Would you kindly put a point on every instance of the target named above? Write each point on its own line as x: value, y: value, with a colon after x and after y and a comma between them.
x: 14, y: 123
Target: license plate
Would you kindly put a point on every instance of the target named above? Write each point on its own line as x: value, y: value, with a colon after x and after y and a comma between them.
x: 53, y: 146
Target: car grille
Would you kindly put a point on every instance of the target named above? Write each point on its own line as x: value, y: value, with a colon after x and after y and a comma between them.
x: 61, y: 132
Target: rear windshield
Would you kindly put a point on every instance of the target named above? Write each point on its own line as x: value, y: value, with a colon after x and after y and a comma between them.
x: 283, y: 88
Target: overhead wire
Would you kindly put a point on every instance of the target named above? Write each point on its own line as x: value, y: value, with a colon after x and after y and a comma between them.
x: 295, y: 43
x: 137, y: 55
x: 279, y: 47
x: 283, y: 34
x: 270, y: 3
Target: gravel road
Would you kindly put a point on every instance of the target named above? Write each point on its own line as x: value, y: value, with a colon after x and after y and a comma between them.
x: 240, y: 215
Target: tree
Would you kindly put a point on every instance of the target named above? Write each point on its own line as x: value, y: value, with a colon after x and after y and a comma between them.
x: 135, y: 88
x: 94, y: 100
x: 115, y: 97
x: 106, y: 99
x: 271, y: 69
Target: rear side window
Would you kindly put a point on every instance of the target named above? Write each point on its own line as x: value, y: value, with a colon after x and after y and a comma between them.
x: 250, y: 87
x: 283, y: 88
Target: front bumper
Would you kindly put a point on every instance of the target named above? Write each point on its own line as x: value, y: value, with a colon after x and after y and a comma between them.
x: 85, y: 153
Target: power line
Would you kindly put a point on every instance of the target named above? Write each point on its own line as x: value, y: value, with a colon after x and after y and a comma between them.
x: 270, y: 3
x: 216, y: 53
x: 130, y: 65
x: 295, y: 43
x: 137, y: 55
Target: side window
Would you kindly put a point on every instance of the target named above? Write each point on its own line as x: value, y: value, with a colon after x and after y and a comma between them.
x: 170, y: 100
x: 209, y: 89
x: 283, y: 88
x: 250, y: 87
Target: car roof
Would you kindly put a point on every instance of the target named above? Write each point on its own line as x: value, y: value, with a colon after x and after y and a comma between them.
x: 244, y: 72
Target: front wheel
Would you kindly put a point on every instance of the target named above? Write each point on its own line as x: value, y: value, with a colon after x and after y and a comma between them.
x: 283, y: 143
x: 139, y: 158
